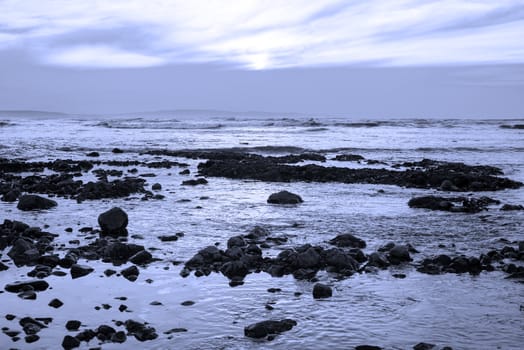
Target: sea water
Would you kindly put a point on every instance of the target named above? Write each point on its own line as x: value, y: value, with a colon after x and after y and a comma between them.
x: 458, y: 310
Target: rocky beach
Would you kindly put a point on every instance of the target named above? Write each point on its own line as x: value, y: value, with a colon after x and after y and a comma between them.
x: 249, y: 231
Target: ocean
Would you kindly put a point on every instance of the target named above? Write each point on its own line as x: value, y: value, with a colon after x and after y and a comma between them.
x: 462, y: 310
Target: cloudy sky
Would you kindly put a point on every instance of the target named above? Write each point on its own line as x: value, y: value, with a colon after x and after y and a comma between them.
x: 358, y: 58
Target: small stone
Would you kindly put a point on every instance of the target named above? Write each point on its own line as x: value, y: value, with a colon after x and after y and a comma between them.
x: 122, y: 308
x: 284, y: 197
x: 131, y: 273
x: 119, y: 337
x: 27, y: 295
x: 10, y: 317
x: 423, y: 346
x: 156, y: 187
x: 73, y: 325
x: 78, y: 271
x: 56, y: 303
x: 322, y: 291
x: 31, y: 338
x: 187, y: 303
x: 70, y: 342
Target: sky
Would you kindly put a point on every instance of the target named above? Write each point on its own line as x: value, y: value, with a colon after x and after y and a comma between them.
x: 398, y: 58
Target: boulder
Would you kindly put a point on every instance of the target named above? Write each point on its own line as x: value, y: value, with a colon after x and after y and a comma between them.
x: 399, y: 254
x: 33, y: 202
x: 113, y: 222
x: 78, y: 271
x: 269, y: 327
x: 37, y: 285
x: 348, y: 240
x: 508, y: 207
x: 284, y: 197
x: 322, y: 291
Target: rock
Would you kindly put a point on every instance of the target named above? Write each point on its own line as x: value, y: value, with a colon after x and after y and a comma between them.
x: 33, y: 202
x: 194, y: 182
x: 11, y: 196
x: 23, y: 252
x: 141, y: 258
x: 348, y: 157
x: 270, y: 327
x: 399, y: 254
x: 424, y: 174
x: 3, y: 266
x: 141, y: 331
x: 27, y: 295
x: 56, y: 303
x: 78, y: 271
x: 156, y: 187
x: 284, y: 197
x: 73, y: 325
x: 119, y: 337
x: 367, y: 347
x: 37, y: 285
x: 171, y: 238
x: 93, y: 154
x: 31, y: 338
x: 423, y: 346
x: 131, y: 273
x: 70, y: 342
x: 322, y: 291
x: 117, y: 150
x: 113, y: 222
x: 348, y: 240
x: 452, y: 204
x: 507, y: 207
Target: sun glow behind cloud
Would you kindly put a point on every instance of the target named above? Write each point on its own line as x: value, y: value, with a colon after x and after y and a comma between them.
x: 264, y: 34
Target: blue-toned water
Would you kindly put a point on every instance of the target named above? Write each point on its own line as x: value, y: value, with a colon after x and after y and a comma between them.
x: 461, y: 311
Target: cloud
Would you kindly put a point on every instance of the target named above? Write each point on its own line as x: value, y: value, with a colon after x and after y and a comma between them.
x: 261, y: 34
x: 101, y: 57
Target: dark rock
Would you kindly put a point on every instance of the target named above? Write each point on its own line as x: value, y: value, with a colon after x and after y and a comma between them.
x: 33, y: 202
x: 156, y: 187
x: 452, y: 204
x: 399, y: 254
x: 340, y: 261
x: 267, y: 328
x: 70, y: 342
x: 367, y: 347
x: 185, y: 172
x: 348, y: 157
x: 141, y: 331
x: 423, y: 346
x: 23, y: 252
x: 31, y: 326
x: 73, y: 325
x: 141, y: 258
x: 117, y: 150
x: 36, y: 285
x: 78, y: 271
x: 423, y: 174
x: 507, y: 207
x: 11, y: 196
x: 378, y: 260
x: 10, y: 317
x: 113, y: 222
x: 187, y: 303
x: 237, y: 241
x: 93, y: 154
x: 119, y: 337
x: 131, y: 273
x: 284, y: 197
x: 171, y: 238
x: 348, y: 240
x: 31, y: 338
x: 27, y: 295
x: 56, y: 303
x: 194, y: 182
x: 322, y: 291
